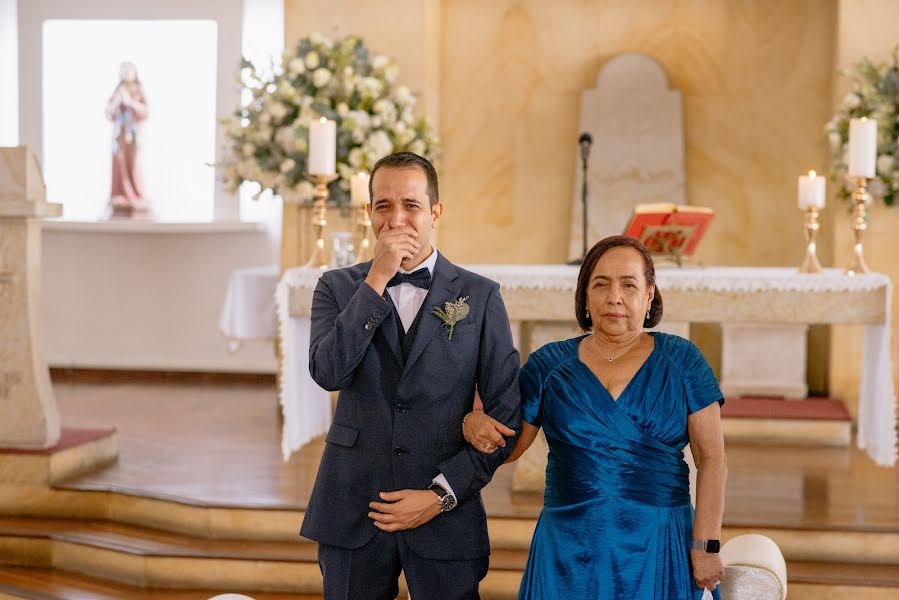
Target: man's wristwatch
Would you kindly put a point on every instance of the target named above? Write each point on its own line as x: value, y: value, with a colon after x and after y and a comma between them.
x: 710, y: 546
x: 447, y: 500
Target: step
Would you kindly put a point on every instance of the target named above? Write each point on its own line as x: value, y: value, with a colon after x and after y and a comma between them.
x: 49, y: 584
x: 131, y: 556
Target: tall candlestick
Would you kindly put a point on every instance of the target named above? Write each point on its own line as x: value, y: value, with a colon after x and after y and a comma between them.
x: 862, y: 147
x: 811, y: 191
x: 322, y: 147
x: 359, y: 189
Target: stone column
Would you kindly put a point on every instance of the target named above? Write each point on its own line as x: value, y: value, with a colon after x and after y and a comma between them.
x: 28, y: 414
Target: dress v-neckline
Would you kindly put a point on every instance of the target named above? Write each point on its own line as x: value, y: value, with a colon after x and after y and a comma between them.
x: 577, y: 356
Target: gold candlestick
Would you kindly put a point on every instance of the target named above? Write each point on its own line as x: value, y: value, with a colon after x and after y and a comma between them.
x: 318, y: 260
x: 363, y: 226
x: 811, y: 264
x: 861, y: 198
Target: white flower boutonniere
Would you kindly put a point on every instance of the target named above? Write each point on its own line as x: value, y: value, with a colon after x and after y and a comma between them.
x: 452, y: 313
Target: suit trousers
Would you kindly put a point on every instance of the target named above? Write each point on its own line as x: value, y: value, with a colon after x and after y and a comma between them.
x: 372, y: 572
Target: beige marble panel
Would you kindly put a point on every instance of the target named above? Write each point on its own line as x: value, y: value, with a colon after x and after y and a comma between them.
x: 866, y: 29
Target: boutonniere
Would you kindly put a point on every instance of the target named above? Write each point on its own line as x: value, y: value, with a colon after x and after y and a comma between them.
x: 452, y: 313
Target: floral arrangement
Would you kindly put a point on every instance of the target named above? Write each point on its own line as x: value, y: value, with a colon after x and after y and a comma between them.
x: 875, y: 94
x: 268, y: 136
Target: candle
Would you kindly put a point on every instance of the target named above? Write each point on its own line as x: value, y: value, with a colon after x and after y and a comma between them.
x: 811, y: 191
x: 322, y: 147
x: 862, y: 147
x: 359, y: 189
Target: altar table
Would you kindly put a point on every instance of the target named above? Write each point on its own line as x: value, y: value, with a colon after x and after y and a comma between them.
x: 544, y: 294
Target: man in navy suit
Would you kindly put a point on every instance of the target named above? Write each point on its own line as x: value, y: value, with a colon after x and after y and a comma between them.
x: 407, y: 338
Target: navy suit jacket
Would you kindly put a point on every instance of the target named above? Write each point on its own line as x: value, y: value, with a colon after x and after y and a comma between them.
x: 398, y: 424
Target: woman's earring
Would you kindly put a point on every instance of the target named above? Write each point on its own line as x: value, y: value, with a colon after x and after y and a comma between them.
x: 588, y: 314
x: 647, y: 315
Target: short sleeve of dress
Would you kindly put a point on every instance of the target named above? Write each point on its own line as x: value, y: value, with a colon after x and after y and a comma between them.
x: 530, y: 381
x: 701, y: 386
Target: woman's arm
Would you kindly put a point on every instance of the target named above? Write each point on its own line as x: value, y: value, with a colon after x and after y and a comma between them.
x: 480, y: 429
x: 707, y: 446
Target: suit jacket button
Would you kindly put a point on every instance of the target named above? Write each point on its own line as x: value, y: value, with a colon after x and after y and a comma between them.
x: 369, y: 325
x: 398, y: 451
x: 401, y: 407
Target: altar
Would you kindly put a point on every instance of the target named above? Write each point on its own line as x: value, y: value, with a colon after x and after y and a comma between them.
x: 540, y: 303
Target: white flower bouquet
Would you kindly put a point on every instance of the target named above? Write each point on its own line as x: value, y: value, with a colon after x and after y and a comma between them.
x: 875, y: 94
x: 268, y: 136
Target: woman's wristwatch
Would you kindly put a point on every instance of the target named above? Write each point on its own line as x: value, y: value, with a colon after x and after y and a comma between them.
x: 710, y: 546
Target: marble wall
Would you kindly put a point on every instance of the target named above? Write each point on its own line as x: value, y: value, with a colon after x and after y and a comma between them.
x: 504, y: 80
x: 866, y: 28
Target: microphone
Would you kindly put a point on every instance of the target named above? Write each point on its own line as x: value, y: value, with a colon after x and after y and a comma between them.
x: 585, y: 141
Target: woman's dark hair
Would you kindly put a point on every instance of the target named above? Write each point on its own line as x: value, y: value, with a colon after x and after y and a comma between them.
x: 583, y: 279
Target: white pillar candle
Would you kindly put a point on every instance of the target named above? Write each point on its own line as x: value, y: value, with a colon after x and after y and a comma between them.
x: 862, y: 147
x: 811, y: 191
x: 322, y: 147
x: 359, y: 189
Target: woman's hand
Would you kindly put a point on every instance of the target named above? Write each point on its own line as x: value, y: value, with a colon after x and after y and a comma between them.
x: 708, y: 569
x: 483, y: 432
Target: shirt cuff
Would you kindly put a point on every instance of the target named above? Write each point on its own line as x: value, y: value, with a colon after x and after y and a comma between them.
x: 442, y: 482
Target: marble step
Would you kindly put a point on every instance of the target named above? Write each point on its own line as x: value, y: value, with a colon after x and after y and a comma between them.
x: 48, y: 584
x: 119, y: 555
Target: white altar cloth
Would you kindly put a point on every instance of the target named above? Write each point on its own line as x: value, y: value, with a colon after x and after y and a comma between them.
x: 249, y: 309
x: 715, y: 294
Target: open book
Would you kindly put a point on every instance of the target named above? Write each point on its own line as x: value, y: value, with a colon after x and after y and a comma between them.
x: 669, y: 229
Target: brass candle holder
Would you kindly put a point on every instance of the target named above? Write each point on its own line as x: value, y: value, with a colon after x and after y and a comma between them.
x: 812, y: 226
x: 361, y: 241
x: 861, y: 198
x: 319, y: 260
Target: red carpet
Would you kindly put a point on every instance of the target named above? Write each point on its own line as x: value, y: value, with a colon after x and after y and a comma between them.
x: 68, y: 438
x: 778, y: 408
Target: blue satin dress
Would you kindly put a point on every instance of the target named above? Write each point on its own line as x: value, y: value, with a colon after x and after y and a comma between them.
x: 617, y: 522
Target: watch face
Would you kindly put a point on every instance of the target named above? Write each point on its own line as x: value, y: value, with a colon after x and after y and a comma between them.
x: 447, y: 503
x: 713, y: 546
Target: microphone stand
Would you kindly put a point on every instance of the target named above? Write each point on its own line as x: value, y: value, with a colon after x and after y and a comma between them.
x: 585, y: 141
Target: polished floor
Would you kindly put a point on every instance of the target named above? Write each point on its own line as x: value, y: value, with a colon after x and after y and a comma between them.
x: 219, y: 444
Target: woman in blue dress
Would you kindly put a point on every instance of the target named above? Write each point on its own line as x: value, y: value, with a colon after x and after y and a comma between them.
x: 618, y: 406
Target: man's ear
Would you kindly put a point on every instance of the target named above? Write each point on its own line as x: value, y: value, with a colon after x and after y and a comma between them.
x: 436, y: 213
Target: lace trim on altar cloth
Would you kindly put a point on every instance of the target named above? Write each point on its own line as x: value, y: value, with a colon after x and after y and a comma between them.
x: 712, y: 279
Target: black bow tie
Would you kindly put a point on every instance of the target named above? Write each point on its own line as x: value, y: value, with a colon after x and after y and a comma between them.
x: 420, y: 278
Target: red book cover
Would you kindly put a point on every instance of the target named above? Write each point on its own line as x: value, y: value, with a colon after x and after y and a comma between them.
x: 669, y: 228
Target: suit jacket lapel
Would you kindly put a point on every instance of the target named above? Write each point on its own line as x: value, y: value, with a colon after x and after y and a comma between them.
x: 387, y: 329
x: 444, y: 288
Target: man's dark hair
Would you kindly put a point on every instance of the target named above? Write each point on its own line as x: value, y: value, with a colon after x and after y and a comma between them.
x: 583, y: 279
x: 408, y: 160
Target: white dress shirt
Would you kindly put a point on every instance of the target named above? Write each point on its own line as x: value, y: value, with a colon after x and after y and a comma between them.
x: 408, y: 299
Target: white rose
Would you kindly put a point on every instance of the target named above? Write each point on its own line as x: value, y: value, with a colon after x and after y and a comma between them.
x: 852, y: 100
x: 404, y: 96
x: 885, y: 164
x: 376, y: 122
x: 312, y: 61
x: 296, y: 66
x: 343, y: 109
x: 377, y: 146
x: 248, y: 150
x: 278, y: 110
x: 834, y: 138
x: 355, y: 158
x: 370, y: 87
x: 321, y: 77
x: 391, y: 72
x: 265, y: 118
x: 288, y: 165
x: 316, y: 38
x: 379, y: 62
x: 285, y: 138
x: 306, y: 190
x: 347, y: 71
x: 417, y: 147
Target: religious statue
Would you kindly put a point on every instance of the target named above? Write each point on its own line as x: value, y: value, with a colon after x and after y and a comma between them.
x: 127, y: 109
